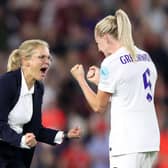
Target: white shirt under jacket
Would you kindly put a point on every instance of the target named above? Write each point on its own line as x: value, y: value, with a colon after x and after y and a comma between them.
x: 23, y: 111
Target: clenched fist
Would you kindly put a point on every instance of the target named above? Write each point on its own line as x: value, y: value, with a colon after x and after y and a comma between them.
x: 74, y: 133
x: 77, y: 72
x: 93, y: 75
x: 30, y: 140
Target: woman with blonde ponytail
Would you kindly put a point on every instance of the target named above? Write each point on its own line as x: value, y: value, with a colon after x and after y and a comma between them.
x: 21, y: 93
x: 126, y: 80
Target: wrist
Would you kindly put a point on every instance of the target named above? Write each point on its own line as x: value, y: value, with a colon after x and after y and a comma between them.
x: 23, y: 143
x: 82, y: 83
x: 65, y: 135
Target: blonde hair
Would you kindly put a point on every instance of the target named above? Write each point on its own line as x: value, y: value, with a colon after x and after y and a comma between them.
x: 119, y: 27
x: 25, y: 50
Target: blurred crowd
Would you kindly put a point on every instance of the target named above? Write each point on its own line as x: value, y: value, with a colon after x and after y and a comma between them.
x: 68, y: 27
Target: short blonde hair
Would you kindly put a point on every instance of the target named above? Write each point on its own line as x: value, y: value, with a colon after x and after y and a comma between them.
x: 25, y: 49
x: 119, y: 27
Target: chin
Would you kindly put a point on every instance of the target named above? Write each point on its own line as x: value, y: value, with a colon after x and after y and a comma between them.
x: 40, y: 78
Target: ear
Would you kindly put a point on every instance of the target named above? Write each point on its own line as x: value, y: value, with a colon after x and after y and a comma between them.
x: 108, y: 38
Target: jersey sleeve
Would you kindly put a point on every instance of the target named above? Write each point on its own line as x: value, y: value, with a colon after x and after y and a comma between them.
x: 108, y: 78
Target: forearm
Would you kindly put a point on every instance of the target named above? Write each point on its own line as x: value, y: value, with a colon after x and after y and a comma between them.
x: 89, y: 94
x: 47, y: 135
x: 9, y: 135
x: 92, y: 98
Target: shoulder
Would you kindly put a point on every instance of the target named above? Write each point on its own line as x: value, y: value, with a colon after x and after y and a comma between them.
x: 143, y: 52
x: 115, y: 57
x: 10, y: 83
x: 10, y: 78
x: 108, y: 66
x: 112, y: 62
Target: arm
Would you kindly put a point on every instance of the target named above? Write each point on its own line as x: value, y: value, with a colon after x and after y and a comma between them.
x: 7, y: 95
x: 43, y: 134
x: 97, y: 101
x: 8, y: 98
x: 56, y: 137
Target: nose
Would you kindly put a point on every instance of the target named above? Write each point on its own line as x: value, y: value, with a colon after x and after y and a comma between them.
x: 48, y: 59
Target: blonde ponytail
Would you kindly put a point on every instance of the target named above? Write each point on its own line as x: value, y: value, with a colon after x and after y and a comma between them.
x: 119, y: 27
x: 14, y: 61
x: 125, y: 32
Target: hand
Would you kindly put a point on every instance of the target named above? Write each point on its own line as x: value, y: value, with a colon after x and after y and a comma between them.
x: 30, y: 140
x: 77, y: 72
x: 93, y: 75
x: 74, y: 133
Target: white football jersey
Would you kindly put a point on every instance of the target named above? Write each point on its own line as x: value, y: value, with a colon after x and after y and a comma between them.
x: 134, y: 125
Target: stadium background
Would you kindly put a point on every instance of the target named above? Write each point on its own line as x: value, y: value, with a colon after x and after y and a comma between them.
x: 68, y: 26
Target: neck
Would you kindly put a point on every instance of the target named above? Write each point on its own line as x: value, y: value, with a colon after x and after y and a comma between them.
x: 28, y: 78
x: 114, y: 48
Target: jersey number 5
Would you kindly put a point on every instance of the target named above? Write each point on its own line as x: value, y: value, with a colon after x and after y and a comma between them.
x: 147, y: 84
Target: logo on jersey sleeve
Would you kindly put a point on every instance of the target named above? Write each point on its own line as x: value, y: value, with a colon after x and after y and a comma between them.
x: 104, y: 72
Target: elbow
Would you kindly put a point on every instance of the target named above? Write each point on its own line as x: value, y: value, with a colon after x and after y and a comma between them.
x: 99, y: 107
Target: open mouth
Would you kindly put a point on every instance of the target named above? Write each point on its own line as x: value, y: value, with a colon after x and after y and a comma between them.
x: 43, y: 70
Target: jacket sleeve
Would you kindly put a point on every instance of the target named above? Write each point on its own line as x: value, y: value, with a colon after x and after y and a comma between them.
x: 45, y: 135
x: 8, y: 91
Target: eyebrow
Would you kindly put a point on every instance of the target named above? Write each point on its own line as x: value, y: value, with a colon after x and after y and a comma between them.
x: 50, y: 55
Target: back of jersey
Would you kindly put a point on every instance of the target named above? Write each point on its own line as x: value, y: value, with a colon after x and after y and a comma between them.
x: 136, y: 81
x: 134, y: 126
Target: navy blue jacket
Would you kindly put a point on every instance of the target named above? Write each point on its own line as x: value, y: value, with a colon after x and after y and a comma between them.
x: 10, y: 86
